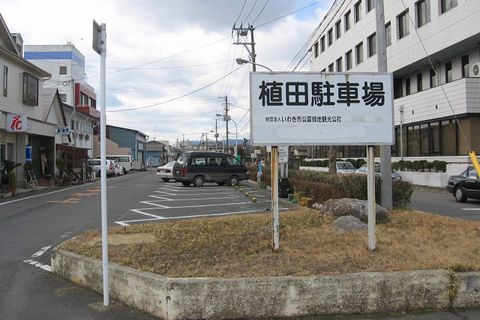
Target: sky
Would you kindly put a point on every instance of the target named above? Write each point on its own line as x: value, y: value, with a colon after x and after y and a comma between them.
x: 172, y: 62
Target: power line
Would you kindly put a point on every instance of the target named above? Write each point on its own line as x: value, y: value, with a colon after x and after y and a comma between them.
x: 249, y: 13
x: 177, y: 98
x: 290, y: 13
x: 261, y: 10
x: 241, y: 11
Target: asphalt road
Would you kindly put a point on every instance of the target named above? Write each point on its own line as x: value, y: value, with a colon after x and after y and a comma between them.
x: 34, y: 223
x: 441, y: 202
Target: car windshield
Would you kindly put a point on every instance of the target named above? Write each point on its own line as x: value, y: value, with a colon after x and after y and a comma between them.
x: 345, y: 165
x: 170, y: 164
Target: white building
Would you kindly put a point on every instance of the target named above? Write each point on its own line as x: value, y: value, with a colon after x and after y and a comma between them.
x: 67, y: 66
x: 443, y: 32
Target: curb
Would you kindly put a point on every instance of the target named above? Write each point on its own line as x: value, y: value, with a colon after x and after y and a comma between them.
x: 274, y: 297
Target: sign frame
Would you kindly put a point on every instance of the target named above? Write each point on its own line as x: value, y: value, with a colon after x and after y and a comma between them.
x: 367, y: 126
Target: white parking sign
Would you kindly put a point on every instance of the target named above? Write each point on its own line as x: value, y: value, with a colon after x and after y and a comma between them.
x: 298, y: 108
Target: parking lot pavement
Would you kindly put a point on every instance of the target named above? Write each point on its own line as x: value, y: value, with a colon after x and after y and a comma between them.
x: 172, y: 201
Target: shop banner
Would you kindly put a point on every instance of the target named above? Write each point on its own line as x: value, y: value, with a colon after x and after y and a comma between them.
x: 16, y: 122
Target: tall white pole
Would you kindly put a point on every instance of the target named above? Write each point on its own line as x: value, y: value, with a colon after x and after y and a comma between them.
x: 274, y: 195
x: 372, y: 242
x: 103, y: 153
x: 385, y: 151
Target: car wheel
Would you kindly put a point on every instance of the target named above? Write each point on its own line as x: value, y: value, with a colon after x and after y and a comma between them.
x: 124, y: 171
x: 186, y: 183
x: 198, y: 181
x: 222, y: 183
x: 233, y: 181
x: 460, y: 195
x: 165, y: 179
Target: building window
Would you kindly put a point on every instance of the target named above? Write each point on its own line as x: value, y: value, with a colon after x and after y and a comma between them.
x: 348, y: 60
x: 346, y: 20
x: 5, y: 81
x: 372, y: 45
x: 63, y: 70
x: 357, y: 11
x: 315, y: 50
x: 388, y: 33
x: 370, y: 4
x: 339, y: 64
x: 433, y: 80
x: 330, y: 67
x: 402, y: 21
x: 423, y: 12
x: 465, y: 66
x: 330, y: 37
x: 30, y: 89
x: 446, y: 5
x: 359, y: 53
x: 419, y: 82
x: 397, y: 88
x: 322, y: 44
x: 448, y: 72
x: 407, y: 87
x: 338, y: 29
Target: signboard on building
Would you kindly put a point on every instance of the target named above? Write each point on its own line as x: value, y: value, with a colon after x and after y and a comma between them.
x: 16, y: 122
x: 298, y: 108
x: 62, y: 130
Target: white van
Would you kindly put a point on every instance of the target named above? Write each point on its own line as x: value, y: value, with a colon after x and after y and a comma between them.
x: 124, y: 161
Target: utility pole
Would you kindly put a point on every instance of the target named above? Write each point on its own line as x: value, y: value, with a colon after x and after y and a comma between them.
x: 242, y: 39
x: 385, y: 150
x: 226, y: 119
x: 216, y: 136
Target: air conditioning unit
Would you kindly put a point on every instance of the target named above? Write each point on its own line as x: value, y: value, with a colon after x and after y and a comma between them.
x: 474, y: 71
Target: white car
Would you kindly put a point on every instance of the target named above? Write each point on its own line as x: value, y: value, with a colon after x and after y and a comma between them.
x: 166, y: 172
x: 364, y: 170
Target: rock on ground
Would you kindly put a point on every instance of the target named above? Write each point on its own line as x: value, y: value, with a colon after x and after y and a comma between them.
x: 353, y: 207
x: 348, y: 223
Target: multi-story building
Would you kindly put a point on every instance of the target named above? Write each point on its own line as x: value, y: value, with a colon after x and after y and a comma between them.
x: 433, y: 51
x: 67, y: 66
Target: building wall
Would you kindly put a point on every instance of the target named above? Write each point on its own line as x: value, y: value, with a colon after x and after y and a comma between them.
x: 427, y: 115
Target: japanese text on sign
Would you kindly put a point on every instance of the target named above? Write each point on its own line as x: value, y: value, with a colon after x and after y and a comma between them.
x: 321, y: 93
x: 300, y: 108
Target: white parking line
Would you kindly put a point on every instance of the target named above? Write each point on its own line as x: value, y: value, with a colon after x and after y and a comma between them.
x: 193, y: 199
x: 471, y: 209
x: 126, y: 222
x: 40, y: 252
x: 196, y: 206
x: 139, y: 211
x: 155, y: 204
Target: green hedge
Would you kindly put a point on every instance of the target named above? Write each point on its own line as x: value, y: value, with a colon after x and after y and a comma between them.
x: 420, y: 165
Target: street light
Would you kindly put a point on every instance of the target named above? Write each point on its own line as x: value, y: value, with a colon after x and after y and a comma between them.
x: 241, y: 61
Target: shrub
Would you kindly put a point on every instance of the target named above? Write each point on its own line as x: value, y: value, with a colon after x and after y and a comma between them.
x: 318, y: 191
x: 402, y: 193
x: 355, y: 186
x: 359, y: 163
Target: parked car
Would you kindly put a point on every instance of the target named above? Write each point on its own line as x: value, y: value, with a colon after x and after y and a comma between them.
x: 124, y: 161
x: 345, y: 167
x: 166, y: 172
x: 201, y: 167
x: 465, y: 185
x: 364, y: 170
x: 112, y: 167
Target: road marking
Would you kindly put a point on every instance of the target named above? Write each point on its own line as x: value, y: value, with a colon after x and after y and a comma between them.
x: 196, y: 206
x: 161, y: 198
x: 66, y: 234
x: 471, y: 209
x: 155, y: 204
x: 68, y: 200
x: 125, y: 223
x: 37, y: 264
x: 139, y: 211
x: 40, y: 252
x: 194, y: 199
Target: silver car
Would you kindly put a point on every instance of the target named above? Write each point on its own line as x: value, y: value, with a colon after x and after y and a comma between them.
x: 364, y: 170
x: 112, y: 167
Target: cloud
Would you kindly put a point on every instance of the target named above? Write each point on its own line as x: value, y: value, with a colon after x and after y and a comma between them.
x: 161, y: 50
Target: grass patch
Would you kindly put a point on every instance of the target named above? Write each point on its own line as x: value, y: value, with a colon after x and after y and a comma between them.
x: 240, y: 246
